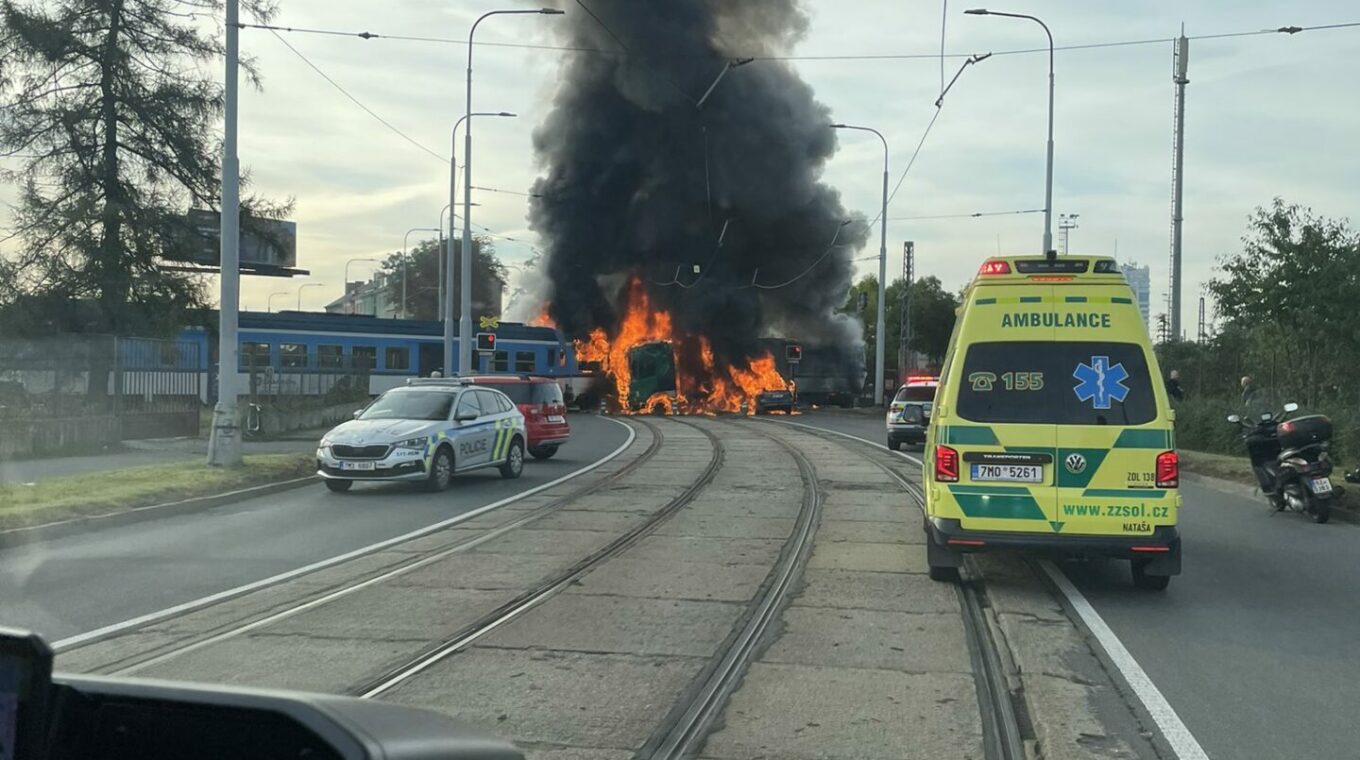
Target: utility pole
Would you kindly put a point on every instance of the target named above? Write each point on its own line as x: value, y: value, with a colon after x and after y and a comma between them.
x: 1179, y: 63
x: 224, y: 442
x: 904, y: 337
x: 1066, y: 223
x: 1203, y: 335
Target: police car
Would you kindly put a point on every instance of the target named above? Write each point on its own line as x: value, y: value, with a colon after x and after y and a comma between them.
x: 909, y: 413
x: 426, y: 431
x: 1050, y: 431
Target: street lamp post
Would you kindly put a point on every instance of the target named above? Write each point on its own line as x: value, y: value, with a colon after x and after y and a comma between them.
x: 446, y: 276
x: 879, y: 337
x: 224, y: 443
x: 405, y: 263
x: 306, y: 285
x: 1048, y: 183
x: 465, y: 291
x: 347, y: 263
x: 269, y: 304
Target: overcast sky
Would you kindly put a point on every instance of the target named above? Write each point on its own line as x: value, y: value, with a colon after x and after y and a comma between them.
x: 1267, y: 115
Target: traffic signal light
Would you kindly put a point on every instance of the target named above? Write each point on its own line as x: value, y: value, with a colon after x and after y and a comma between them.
x: 793, y: 353
x: 486, y: 342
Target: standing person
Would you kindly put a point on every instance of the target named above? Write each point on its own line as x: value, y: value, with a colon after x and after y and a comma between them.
x: 1249, y: 391
x: 1173, y: 385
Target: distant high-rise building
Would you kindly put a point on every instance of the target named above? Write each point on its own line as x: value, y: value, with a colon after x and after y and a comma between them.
x: 1141, y: 281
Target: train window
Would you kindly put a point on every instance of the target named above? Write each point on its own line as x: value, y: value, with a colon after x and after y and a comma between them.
x: 500, y: 361
x: 330, y: 357
x: 293, y: 355
x: 552, y: 358
x: 363, y: 357
x: 524, y: 361
x: 398, y: 357
x: 254, y: 354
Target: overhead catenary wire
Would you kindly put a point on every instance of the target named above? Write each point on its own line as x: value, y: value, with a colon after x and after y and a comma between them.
x: 973, y: 215
x: 810, y: 58
x: 358, y: 102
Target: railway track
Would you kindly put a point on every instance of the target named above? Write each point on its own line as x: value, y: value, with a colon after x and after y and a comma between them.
x: 136, y: 663
x: 542, y: 591
x: 1003, y: 738
x: 684, y: 732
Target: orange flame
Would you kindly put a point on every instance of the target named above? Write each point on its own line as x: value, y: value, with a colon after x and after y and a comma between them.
x: 702, y: 386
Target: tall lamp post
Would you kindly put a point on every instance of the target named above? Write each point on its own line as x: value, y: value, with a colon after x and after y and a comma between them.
x: 405, y: 263
x: 269, y: 304
x: 347, y: 280
x: 446, y: 279
x: 1048, y: 183
x: 306, y: 285
x: 879, y: 359
x: 465, y: 291
x: 224, y: 443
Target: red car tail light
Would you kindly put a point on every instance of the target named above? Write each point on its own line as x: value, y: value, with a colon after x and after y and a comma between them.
x: 1168, y: 470
x: 946, y: 465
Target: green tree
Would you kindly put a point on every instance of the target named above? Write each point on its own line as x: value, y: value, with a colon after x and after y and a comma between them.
x: 933, y: 310
x: 932, y: 317
x: 111, y: 107
x: 1291, y: 292
x: 422, y: 279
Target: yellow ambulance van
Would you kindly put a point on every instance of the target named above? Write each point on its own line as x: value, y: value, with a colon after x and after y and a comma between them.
x: 1051, y: 430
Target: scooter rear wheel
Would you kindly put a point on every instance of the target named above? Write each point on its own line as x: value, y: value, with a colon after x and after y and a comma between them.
x: 1321, y: 511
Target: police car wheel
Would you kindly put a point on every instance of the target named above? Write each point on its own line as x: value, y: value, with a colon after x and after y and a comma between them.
x: 339, y: 486
x: 1143, y: 580
x: 514, y: 460
x: 543, y: 452
x: 894, y: 445
x: 441, y: 471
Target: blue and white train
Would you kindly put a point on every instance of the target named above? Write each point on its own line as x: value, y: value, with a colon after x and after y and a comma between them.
x: 306, y: 351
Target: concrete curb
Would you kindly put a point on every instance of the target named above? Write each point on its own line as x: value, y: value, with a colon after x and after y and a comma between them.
x: 61, y: 528
x: 1234, y: 488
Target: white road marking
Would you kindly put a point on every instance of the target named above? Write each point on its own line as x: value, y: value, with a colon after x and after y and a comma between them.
x: 1182, y: 742
x: 1178, y: 736
x: 195, y: 604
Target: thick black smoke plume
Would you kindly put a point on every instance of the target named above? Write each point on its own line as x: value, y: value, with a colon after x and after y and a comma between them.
x: 640, y: 180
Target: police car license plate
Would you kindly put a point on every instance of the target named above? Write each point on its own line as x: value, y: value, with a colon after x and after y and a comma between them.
x: 1320, y: 485
x: 1016, y: 473
x: 357, y: 465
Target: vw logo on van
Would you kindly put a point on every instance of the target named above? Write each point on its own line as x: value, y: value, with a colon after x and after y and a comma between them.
x: 1076, y: 463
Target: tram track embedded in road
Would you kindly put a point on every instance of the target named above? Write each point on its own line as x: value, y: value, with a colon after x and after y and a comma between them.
x: 1002, y: 736
x: 129, y: 666
x: 545, y: 589
x: 684, y: 732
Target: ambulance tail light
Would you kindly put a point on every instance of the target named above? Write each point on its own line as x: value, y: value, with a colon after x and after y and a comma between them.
x: 1168, y: 470
x: 994, y: 267
x: 946, y: 465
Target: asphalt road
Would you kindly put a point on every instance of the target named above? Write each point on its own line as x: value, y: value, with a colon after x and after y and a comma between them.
x: 1255, y: 645
x: 79, y: 583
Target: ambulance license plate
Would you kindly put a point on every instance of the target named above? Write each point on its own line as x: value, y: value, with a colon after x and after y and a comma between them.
x: 1013, y: 473
x: 1320, y: 485
x: 357, y: 465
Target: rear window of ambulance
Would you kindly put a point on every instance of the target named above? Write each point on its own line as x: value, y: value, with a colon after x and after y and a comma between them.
x: 1064, y: 383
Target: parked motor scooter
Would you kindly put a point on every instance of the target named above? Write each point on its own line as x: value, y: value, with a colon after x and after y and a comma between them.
x: 1291, y: 461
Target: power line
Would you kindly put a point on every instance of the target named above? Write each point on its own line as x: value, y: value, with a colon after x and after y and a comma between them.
x: 809, y: 58
x: 356, y: 101
x: 973, y: 215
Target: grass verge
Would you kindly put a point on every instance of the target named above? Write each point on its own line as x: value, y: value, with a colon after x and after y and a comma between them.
x: 1236, y: 469
x: 114, y: 491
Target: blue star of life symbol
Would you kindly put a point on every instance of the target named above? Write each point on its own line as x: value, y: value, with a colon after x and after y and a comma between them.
x: 1099, y: 382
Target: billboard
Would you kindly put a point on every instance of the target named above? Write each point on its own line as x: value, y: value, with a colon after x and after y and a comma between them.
x: 266, y: 244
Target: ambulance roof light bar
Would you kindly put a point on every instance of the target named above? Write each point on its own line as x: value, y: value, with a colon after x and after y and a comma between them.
x: 994, y: 267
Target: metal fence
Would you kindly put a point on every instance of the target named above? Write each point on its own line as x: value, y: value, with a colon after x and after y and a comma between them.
x: 132, y: 387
